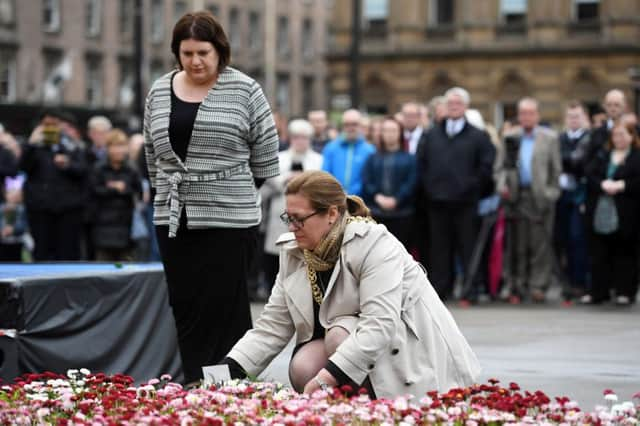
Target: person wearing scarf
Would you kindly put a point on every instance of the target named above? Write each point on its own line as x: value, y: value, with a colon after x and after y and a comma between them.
x: 363, y: 311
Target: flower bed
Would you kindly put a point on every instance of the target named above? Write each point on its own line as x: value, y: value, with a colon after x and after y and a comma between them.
x: 84, y: 398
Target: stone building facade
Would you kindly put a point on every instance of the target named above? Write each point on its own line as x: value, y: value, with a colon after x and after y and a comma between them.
x: 500, y: 50
x: 79, y: 54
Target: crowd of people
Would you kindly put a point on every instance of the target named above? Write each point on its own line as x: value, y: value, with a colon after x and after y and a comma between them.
x: 493, y: 214
x: 66, y: 198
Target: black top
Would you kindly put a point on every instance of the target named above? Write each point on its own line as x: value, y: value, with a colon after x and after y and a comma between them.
x: 181, y: 120
x: 455, y: 169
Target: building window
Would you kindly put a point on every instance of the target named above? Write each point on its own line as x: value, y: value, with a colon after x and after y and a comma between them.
x: 282, y: 94
x: 179, y: 9
x: 214, y: 9
x: 126, y: 94
x: 307, y: 39
x: 255, y: 31
x: 505, y: 111
x: 7, y: 76
x: 94, y: 82
x: 441, y: 13
x: 94, y: 17
x: 513, y: 12
x: 7, y: 13
x: 157, y: 70
x: 58, y: 69
x: 157, y: 21
x: 307, y: 94
x: 587, y: 10
x: 51, y: 15
x: 235, y: 31
x: 127, y: 12
x: 375, y: 14
x: 283, y: 36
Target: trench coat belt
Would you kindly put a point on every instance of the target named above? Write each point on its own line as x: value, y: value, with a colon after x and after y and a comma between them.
x: 176, y: 178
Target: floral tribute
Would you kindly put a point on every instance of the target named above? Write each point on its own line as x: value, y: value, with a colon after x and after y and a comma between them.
x: 81, y: 398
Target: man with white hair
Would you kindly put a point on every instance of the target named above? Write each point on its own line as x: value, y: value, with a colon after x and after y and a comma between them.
x: 345, y: 156
x: 97, y: 129
x: 455, y: 164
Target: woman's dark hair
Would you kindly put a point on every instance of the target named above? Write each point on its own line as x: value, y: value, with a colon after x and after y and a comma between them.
x: 383, y: 148
x: 323, y: 191
x: 201, y: 26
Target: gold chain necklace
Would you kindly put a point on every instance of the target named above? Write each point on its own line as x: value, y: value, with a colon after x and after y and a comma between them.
x: 315, y: 289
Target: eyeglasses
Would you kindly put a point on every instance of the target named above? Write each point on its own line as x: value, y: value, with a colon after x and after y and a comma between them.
x: 296, y: 222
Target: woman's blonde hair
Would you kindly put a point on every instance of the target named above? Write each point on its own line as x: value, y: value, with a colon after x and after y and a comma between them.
x: 323, y: 191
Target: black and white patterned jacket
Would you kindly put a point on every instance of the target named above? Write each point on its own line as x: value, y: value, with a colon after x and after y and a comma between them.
x: 234, y: 139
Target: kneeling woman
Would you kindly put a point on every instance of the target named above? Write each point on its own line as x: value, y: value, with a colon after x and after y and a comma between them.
x: 363, y: 310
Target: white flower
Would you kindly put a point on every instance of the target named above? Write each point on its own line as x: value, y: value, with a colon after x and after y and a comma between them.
x: 72, y: 373
x: 85, y: 371
x: 611, y: 397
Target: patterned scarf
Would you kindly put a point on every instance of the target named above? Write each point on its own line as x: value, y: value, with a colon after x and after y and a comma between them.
x: 325, y: 255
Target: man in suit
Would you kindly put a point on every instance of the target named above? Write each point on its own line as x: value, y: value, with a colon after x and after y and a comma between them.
x: 615, y: 105
x: 455, y: 166
x: 569, y: 233
x: 531, y: 195
x: 412, y: 126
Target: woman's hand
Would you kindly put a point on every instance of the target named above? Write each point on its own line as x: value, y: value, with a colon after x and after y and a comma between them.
x: 387, y: 203
x: 612, y: 187
x: 323, y: 377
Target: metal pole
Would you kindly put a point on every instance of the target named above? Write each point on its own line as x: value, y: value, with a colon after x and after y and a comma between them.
x: 138, y: 102
x: 355, y: 53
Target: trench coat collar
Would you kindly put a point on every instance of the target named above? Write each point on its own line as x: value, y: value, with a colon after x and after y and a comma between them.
x: 294, y: 284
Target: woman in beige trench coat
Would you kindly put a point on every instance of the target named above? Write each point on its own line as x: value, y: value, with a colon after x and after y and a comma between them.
x: 363, y: 311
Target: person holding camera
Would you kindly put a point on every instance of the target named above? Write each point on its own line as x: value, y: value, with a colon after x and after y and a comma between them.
x: 54, y: 191
x: 299, y: 157
x: 533, y: 170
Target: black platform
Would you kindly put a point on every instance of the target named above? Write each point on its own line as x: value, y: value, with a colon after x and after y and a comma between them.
x: 109, y: 318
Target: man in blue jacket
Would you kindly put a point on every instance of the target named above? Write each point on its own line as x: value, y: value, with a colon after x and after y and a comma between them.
x: 345, y: 156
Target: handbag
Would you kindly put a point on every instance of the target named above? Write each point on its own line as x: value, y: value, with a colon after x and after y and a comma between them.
x: 605, y: 217
x: 139, y: 230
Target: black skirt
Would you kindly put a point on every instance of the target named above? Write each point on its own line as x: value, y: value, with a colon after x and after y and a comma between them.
x: 206, y: 272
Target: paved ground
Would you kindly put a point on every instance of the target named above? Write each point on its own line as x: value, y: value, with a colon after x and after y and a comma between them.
x: 576, y: 351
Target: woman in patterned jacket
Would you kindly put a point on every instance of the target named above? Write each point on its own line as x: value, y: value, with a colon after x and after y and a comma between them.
x: 210, y: 141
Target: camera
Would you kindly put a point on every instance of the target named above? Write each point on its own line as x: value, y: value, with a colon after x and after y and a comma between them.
x: 296, y: 166
x: 51, y: 135
x: 512, y: 148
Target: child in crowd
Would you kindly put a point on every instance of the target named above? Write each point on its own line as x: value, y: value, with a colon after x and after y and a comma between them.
x: 13, y: 222
x: 115, y: 186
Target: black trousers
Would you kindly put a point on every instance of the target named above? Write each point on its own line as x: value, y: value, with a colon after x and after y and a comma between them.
x: 452, y: 231
x: 206, y: 272
x: 400, y: 227
x: 614, y: 265
x: 56, y: 235
x: 270, y: 267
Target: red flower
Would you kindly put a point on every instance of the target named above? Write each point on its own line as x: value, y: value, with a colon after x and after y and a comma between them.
x: 514, y: 386
x: 608, y: 392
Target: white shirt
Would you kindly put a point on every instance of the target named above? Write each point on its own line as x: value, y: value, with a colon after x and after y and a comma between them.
x: 454, y: 126
x: 413, y: 137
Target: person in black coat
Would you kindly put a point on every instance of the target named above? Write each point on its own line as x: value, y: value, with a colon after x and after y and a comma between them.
x: 455, y: 169
x: 54, y: 191
x: 615, y: 171
x: 388, y: 182
x: 114, y: 186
